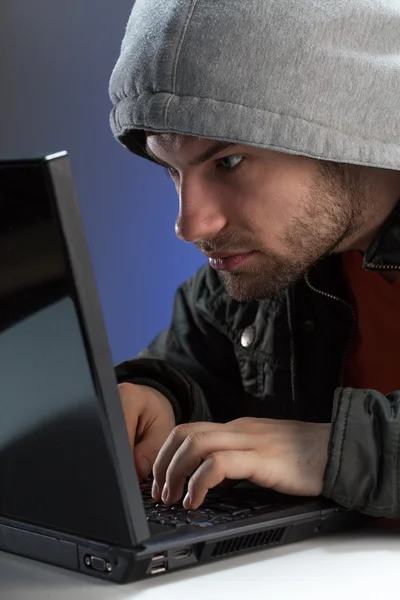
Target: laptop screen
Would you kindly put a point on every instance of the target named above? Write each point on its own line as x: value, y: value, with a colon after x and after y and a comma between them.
x: 55, y: 467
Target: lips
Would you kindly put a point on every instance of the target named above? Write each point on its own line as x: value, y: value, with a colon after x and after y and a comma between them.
x: 229, y: 263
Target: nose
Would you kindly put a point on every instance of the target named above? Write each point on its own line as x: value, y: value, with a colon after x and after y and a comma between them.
x: 201, y: 212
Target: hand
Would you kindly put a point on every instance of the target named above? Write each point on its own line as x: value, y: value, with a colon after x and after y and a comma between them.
x: 287, y: 456
x: 149, y: 419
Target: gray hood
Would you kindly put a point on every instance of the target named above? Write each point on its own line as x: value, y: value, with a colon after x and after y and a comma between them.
x: 309, y: 77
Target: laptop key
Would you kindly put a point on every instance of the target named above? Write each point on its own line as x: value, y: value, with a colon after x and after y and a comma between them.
x: 261, y: 507
x: 221, y: 520
x: 227, y: 509
x: 244, y: 512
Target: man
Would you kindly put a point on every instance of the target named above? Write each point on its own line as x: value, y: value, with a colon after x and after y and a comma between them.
x: 279, y: 123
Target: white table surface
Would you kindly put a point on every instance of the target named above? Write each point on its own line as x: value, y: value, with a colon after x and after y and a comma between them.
x: 362, y: 565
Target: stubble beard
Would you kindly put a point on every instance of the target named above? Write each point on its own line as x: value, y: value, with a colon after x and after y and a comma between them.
x: 336, y: 207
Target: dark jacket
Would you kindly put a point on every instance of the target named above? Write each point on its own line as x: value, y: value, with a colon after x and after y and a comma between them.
x: 222, y: 360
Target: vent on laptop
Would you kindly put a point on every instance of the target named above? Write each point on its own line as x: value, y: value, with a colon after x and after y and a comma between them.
x: 245, y: 542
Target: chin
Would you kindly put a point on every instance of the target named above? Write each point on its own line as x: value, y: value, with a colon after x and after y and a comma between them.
x: 243, y: 288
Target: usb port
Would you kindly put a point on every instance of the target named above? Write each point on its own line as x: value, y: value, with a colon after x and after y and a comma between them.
x: 158, y: 557
x: 182, y: 553
x: 158, y: 569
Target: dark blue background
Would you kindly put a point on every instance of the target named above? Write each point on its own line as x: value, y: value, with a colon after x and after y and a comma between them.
x: 56, y: 58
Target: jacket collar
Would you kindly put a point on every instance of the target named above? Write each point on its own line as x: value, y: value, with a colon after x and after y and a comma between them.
x: 384, y: 251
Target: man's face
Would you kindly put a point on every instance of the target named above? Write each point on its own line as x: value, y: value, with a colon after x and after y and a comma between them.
x: 261, y: 217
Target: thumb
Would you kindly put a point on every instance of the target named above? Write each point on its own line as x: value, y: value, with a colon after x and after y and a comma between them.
x: 146, y: 451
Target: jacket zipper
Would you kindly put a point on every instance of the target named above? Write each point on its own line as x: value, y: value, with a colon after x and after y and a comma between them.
x: 352, y: 329
x: 383, y: 267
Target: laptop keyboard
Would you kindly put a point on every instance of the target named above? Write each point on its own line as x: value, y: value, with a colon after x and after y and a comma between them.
x: 218, y: 508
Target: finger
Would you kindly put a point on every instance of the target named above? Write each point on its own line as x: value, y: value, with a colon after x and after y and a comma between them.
x: 146, y: 451
x: 145, y: 439
x: 229, y: 464
x: 167, y: 452
x: 194, y: 449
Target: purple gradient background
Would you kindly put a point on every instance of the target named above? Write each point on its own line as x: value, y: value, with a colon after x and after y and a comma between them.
x: 56, y: 58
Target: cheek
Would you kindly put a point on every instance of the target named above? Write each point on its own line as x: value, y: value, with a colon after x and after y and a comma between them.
x: 271, y: 198
x: 269, y: 213
x: 275, y: 196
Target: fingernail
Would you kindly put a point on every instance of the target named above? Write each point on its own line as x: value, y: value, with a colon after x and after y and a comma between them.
x: 165, y: 493
x: 155, y: 491
x: 187, y: 501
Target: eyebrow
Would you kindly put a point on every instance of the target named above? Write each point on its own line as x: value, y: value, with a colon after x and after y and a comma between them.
x: 202, y: 158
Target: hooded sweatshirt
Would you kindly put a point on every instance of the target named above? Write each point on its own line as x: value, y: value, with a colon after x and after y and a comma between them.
x: 317, y: 78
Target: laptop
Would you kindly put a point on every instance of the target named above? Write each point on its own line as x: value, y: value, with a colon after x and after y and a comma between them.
x: 69, y: 493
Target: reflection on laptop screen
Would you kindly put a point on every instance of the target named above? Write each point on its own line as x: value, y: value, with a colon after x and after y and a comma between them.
x: 55, y: 469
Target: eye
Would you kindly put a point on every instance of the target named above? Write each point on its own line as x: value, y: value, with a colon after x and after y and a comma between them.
x: 170, y: 172
x: 231, y: 162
